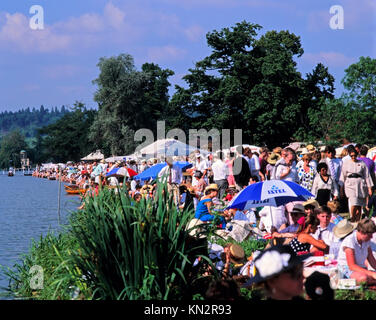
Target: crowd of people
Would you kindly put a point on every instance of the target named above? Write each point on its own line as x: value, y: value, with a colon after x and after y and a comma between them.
x: 339, y: 185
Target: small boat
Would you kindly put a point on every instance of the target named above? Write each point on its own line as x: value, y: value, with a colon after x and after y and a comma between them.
x: 76, y: 191
x: 11, y: 172
x: 71, y: 186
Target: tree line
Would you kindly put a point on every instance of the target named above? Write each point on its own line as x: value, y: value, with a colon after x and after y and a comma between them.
x: 249, y: 81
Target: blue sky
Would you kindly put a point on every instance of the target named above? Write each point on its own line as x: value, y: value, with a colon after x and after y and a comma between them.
x: 55, y: 66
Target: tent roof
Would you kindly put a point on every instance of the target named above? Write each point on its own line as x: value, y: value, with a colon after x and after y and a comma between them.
x: 167, y: 147
x: 97, y: 155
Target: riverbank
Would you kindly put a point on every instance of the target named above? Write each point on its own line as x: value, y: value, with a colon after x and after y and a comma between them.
x: 118, y: 249
x: 29, y: 210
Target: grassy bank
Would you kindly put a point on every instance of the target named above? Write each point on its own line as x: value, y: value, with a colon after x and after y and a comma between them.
x: 118, y: 249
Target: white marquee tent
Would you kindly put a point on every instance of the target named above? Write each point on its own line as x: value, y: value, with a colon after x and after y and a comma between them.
x: 97, y: 155
x: 167, y: 147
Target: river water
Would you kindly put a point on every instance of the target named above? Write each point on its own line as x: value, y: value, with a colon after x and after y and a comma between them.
x: 28, y: 209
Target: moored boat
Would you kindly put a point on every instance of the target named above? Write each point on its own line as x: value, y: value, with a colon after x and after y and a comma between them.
x: 75, y: 191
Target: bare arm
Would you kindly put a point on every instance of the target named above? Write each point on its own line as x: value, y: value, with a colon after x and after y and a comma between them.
x: 371, y: 258
x: 307, y: 238
x: 350, y: 258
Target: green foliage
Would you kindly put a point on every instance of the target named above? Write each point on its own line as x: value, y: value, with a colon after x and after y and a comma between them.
x: 29, y: 121
x: 128, y: 100
x: 10, y: 147
x: 360, y: 81
x: 135, y: 251
x: 66, y: 139
x: 60, y: 276
x: 252, y: 84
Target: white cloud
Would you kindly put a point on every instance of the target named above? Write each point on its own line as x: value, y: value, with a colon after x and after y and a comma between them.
x: 17, y: 34
x: 331, y: 59
x: 121, y: 25
x: 194, y: 33
x: 166, y: 53
x: 114, y: 16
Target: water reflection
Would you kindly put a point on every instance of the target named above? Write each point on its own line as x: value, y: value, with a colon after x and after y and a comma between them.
x: 28, y: 209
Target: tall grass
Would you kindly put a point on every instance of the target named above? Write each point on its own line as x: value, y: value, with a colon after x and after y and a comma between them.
x: 135, y: 250
x: 53, y: 253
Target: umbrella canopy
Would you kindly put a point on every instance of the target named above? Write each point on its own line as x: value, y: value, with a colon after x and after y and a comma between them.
x: 121, y: 172
x: 269, y: 193
x: 115, y: 158
x: 97, y: 155
x: 152, y: 172
x: 166, y: 147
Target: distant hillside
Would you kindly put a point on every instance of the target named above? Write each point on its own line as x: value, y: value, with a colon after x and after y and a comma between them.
x: 28, y: 121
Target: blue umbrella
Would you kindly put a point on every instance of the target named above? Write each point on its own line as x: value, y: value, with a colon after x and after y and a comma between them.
x: 269, y: 193
x: 152, y: 172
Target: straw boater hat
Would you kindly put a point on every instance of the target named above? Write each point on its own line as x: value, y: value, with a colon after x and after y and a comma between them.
x: 274, y: 261
x: 277, y: 150
x: 311, y: 202
x: 273, y: 158
x: 305, y: 151
x: 236, y: 254
x: 333, y: 206
x: 212, y: 186
x: 343, y: 228
x: 311, y: 148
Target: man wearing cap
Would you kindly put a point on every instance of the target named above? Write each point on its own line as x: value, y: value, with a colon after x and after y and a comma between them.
x: 173, y: 175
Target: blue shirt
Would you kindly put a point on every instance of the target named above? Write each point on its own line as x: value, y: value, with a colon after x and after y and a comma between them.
x: 290, y: 229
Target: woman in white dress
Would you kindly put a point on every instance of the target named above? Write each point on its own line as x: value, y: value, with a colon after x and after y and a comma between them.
x: 355, y: 181
x: 324, y: 186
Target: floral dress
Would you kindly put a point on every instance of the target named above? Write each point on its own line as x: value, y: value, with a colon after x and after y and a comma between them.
x: 306, y: 178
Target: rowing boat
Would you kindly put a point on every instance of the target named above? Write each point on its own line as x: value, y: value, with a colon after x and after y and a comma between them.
x: 75, y: 191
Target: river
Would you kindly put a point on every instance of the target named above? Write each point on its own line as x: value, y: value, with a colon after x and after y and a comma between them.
x: 28, y: 209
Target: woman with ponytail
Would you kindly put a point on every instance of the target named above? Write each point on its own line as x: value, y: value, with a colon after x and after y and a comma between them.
x: 302, y: 243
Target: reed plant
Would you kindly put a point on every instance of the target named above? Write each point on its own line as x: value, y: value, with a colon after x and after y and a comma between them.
x: 59, y: 276
x: 133, y: 250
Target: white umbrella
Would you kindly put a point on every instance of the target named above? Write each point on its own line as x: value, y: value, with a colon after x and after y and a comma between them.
x: 115, y: 158
x: 97, y: 155
x: 167, y: 147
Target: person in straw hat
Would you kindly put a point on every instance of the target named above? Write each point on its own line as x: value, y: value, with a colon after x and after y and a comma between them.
x: 271, y: 160
x: 355, y: 253
x: 280, y: 272
x: 309, y: 206
x: 204, y: 207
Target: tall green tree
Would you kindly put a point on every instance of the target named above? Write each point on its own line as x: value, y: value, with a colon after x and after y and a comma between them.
x: 67, y: 139
x: 128, y: 100
x: 360, y: 82
x: 10, y: 147
x: 252, y: 83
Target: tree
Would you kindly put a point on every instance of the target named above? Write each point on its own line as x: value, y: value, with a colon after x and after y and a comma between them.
x: 360, y: 81
x: 128, y: 100
x: 10, y: 147
x: 252, y: 84
x: 67, y: 139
